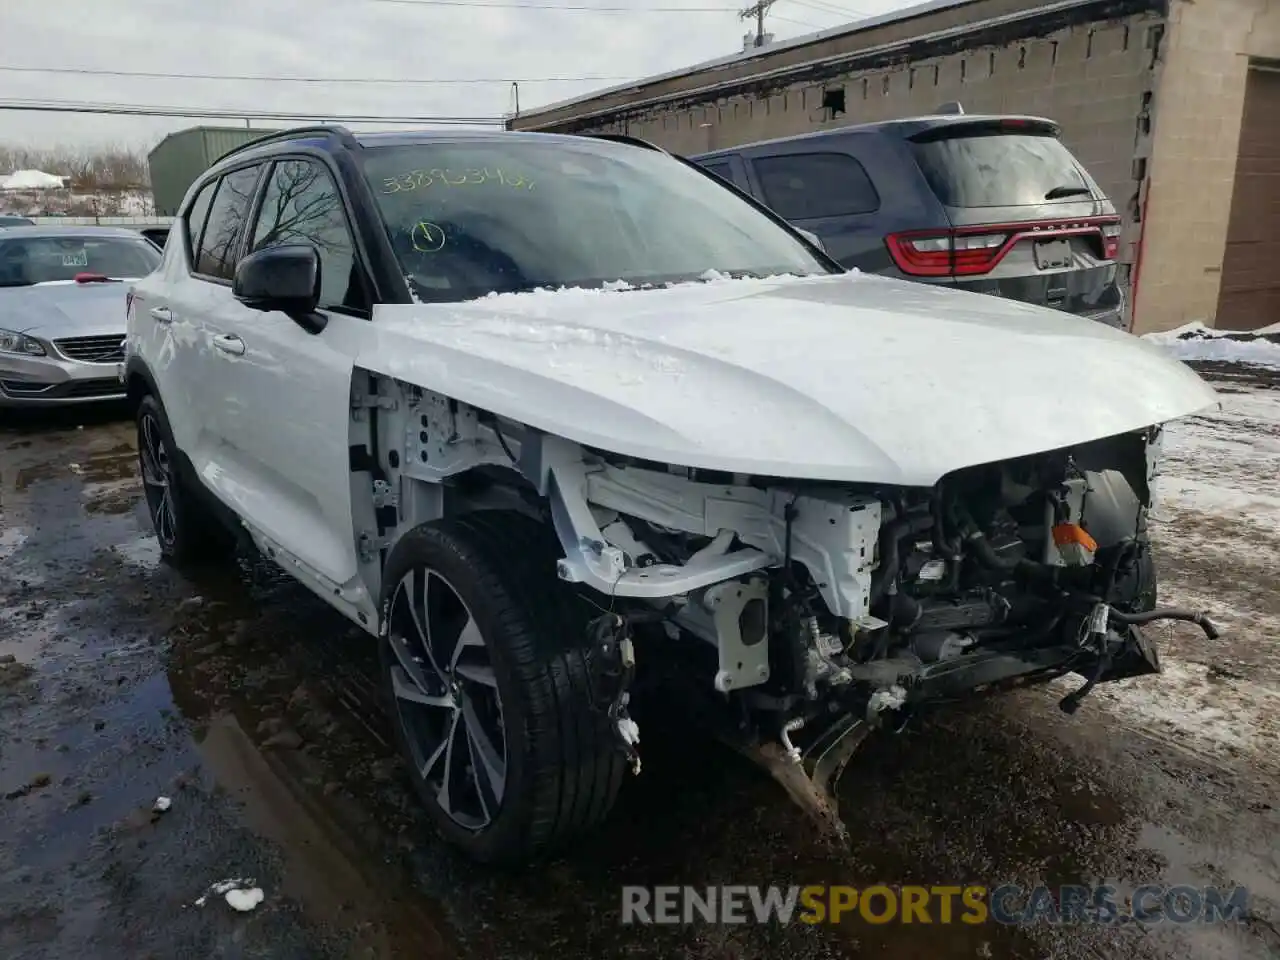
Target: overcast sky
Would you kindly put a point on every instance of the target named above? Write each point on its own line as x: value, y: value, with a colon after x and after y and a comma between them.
x: 348, y: 39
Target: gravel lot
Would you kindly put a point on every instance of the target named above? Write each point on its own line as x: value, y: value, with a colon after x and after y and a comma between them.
x: 251, y: 704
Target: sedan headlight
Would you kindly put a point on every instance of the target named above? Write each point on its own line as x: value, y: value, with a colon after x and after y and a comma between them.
x: 14, y: 342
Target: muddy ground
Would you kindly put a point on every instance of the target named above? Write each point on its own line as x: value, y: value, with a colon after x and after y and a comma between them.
x: 252, y: 706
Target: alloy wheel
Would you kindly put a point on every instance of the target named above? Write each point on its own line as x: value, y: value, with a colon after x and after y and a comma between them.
x: 157, y: 479
x: 446, y: 698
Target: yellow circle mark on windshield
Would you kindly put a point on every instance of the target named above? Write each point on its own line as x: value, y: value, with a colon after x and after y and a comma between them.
x: 426, y: 237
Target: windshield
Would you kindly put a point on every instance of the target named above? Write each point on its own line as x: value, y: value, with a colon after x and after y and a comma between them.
x: 469, y: 218
x: 32, y: 260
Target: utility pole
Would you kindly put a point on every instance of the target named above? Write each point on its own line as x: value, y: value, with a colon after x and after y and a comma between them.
x: 757, y: 10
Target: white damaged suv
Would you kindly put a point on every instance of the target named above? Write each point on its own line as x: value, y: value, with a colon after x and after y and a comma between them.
x: 542, y: 412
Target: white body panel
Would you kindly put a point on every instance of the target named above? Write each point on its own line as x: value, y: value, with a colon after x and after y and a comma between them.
x: 266, y: 429
x: 847, y: 378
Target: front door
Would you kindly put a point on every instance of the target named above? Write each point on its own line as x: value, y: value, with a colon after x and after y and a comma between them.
x: 284, y: 420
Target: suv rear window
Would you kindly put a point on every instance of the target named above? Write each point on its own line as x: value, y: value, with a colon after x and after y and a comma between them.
x: 1000, y: 170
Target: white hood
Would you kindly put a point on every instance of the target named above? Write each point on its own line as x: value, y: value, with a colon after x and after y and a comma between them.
x: 845, y: 378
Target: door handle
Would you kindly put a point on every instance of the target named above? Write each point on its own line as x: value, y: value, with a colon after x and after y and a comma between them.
x: 229, y: 343
x: 162, y: 314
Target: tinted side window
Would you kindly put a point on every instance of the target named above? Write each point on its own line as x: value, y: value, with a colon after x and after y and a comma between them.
x: 720, y: 168
x: 222, y: 231
x: 193, y: 222
x: 302, y: 205
x: 802, y: 186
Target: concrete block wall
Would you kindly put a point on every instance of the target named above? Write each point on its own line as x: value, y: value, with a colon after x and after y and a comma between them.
x: 1092, y: 80
x: 1096, y: 80
x: 1201, y: 89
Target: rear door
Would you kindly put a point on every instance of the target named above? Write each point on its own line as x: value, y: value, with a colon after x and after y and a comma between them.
x: 197, y: 307
x: 163, y: 323
x: 826, y: 190
x: 1029, y: 223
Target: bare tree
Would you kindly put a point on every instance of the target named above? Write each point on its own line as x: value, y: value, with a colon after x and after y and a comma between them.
x: 301, y: 206
x: 101, y: 169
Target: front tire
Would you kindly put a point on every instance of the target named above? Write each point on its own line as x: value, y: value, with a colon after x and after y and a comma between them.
x: 484, y: 665
x: 186, y: 529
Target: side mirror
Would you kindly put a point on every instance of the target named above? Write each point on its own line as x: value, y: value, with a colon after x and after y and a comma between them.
x: 284, y: 278
x: 812, y: 238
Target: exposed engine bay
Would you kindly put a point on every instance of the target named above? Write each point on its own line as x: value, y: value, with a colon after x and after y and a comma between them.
x: 807, y: 614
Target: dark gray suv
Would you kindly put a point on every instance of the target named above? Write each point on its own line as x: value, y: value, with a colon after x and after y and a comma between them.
x: 992, y: 204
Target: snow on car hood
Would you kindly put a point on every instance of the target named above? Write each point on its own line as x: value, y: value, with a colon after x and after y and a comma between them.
x: 843, y: 378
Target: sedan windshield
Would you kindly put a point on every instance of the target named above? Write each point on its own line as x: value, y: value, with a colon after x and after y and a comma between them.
x: 27, y: 261
x: 467, y: 218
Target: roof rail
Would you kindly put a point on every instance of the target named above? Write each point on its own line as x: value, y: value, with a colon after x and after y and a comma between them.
x: 335, y: 130
x: 623, y: 138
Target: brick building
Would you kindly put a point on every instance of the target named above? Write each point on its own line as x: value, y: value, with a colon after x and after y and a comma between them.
x: 1173, y: 105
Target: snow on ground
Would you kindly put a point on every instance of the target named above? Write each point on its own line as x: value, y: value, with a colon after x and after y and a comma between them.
x: 1217, y: 536
x: 1195, y: 341
x: 31, y: 180
x: 47, y: 202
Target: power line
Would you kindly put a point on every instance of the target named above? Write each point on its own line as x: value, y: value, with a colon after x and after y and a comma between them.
x: 93, y: 72
x: 147, y: 110
x: 825, y: 7
x: 799, y: 23
x: 523, y: 5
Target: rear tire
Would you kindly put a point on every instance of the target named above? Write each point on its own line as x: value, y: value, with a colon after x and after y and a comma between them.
x: 188, y: 531
x: 484, y: 648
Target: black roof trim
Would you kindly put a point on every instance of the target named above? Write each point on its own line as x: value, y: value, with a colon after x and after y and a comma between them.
x: 624, y: 138
x: 293, y: 133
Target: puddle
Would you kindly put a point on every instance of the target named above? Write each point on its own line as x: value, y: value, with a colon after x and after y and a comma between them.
x: 11, y: 542
x: 325, y: 869
x: 143, y: 553
x: 118, y: 462
x: 26, y: 476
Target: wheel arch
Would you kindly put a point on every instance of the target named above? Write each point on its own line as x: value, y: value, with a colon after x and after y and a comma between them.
x: 139, y: 381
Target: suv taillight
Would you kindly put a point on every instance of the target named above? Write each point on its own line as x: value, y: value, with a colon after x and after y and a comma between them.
x: 973, y: 251
x: 1111, y: 240
x: 932, y: 256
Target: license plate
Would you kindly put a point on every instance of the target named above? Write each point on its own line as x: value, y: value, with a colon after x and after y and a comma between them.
x: 1053, y: 254
x: 80, y: 259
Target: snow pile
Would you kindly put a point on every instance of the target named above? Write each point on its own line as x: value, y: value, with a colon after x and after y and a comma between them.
x: 31, y: 180
x: 241, y: 894
x: 1195, y: 341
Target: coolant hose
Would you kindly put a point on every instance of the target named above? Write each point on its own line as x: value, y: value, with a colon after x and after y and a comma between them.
x: 1201, y: 620
x: 987, y: 555
x: 891, y: 535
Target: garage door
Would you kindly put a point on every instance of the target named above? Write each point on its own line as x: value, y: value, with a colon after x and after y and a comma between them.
x: 1250, y: 295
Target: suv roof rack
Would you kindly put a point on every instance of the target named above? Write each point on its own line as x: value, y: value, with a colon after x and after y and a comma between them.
x: 624, y: 138
x: 332, y: 129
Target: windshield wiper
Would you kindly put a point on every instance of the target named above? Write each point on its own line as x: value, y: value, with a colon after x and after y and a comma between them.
x: 16, y: 283
x: 1067, y: 190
